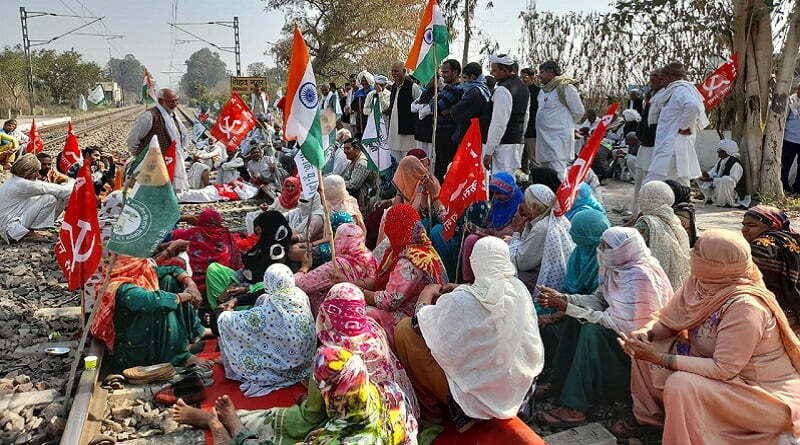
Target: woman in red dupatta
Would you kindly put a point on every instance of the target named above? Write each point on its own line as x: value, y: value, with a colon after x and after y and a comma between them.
x: 410, y: 264
x: 210, y: 243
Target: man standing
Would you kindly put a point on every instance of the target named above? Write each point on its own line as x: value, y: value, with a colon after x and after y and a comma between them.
x: 330, y: 112
x: 791, y: 143
x: 449, y: 96
x: 560, y: 107
x: 401, y: 120
x: 509, y: 110
x: 680, y: 114
x: 635, y: 100
x: 529, y: 156
x: 647, y: 139
x: 475, y: 96
x: 162, y: 122
x: 258, y: 102
x: 346, y: 100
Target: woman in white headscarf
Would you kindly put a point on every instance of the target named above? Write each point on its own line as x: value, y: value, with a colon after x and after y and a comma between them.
x: 306, y: 220
x: 540, y: 251
x: 663, y: 232
x: 478, y: 344
x: 589, y: 361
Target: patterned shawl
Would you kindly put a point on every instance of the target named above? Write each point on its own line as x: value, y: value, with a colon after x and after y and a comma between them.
x: 342, y: 322
x: 669, y: 241
x: 558, y: 244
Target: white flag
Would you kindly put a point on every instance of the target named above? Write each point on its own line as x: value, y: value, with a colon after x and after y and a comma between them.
x: 97, y: 97
x: 308, y: 175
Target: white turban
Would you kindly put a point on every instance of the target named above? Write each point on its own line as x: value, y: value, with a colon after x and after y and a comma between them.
x: 381, y: 79
x: 366, y: 75
x: 729, y: 146
x: 502, y: 59
x: 631, y: 115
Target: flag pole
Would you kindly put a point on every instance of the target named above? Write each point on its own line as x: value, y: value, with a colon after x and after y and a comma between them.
x: 83, y: 306
x: 327, y: 217
x: 435, y: 105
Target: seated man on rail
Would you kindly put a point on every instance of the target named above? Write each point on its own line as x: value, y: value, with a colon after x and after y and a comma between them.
x: 27, y: 204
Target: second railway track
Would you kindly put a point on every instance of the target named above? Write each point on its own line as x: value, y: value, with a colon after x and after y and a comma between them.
x: 53, y: 135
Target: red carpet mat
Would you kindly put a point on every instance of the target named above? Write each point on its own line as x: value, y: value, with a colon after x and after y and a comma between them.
x: 512, y: 431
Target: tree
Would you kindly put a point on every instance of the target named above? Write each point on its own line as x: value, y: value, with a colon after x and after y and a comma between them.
x: 759, y: 102
x: 127, y: 72
x: 13, y: 74
x: 257, y: 69
x: 465, y: 9
x: 204, y: 67
x: 64, y: 76
x: 346, y: 36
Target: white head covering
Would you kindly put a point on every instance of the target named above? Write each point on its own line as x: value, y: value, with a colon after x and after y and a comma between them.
x: 485, y: 336
x: 668, y: 240
x: 558, y: 243
x: 301, y: 215
x: 729, y: 146
x: 381, y: 79
x: 502, y: 59
x: 631, y: 115
x: 633, y: 283
x: 365, y: 75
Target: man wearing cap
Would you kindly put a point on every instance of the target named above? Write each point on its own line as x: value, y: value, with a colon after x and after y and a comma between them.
x: 560, y: 107
x: 724, y: 184
x: 508, y: 108
x: 402, y: 121
x: 680, y: 113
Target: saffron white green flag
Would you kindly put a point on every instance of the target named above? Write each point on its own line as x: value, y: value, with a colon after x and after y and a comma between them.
x: 96, y: 97
x: 431, y: 45
x: 374, y: 141
x: 301, y: 121
x: 148, y: 89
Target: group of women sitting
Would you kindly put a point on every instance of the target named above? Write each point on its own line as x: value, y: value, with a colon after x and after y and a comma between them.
x: 384, y: 338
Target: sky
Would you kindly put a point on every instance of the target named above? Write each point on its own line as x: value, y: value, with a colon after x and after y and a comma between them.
x: 147, y: 35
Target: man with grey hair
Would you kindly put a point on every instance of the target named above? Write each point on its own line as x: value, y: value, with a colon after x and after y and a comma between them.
x: 508, y: 108
x: 560, y: 107
x: 162, y: 122
x: 402, y: 122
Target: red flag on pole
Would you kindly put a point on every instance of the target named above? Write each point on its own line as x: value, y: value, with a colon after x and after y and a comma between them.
x: 169, y: 159
x: 35, y: 143
x: 71, y: 153
x: 720, y: 83
x: 234, y: 122
x: 79, y: 249
x: 565, y: 195
x: 465, y: 182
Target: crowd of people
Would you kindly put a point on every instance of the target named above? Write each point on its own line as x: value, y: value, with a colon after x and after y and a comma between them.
x: 392, y: 325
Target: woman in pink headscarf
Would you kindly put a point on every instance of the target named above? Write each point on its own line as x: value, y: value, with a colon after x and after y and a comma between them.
x: 210, y: 243
x: 354, y: 261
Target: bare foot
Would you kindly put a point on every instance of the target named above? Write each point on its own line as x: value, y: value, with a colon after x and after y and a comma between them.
x: 189, y: 415
x: 218, y: 431
x: 195, y: 360
x: 227, y: 414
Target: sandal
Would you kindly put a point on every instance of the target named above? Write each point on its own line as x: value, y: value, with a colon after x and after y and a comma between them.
x: 559, y: 422
x: 140, y: 375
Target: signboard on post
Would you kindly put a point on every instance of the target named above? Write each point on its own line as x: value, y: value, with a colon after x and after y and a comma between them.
x: 243, y: 86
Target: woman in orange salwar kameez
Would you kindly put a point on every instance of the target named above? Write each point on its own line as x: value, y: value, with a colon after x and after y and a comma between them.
x: 733, y: 376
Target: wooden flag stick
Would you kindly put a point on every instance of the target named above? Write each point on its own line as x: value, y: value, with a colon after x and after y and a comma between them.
x: 327, y: 217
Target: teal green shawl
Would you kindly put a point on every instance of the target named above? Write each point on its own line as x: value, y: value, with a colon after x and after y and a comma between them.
x: 588, y: 226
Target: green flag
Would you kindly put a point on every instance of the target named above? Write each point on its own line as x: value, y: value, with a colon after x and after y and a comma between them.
x: 150, y: 212
x: 374, y: 141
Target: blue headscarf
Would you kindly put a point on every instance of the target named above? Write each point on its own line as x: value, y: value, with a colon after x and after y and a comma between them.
x: 448, y: 250
x: 585, y: 200
x: 588, y: 226
x: 503, y: 211
x: 337, y: 219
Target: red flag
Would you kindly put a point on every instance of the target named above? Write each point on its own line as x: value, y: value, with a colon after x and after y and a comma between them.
x: 565, y: 195
x: 35, y: 143
x: 465, y: 182
x: 79, y: 248
x: 71, y: 153
x: 169, y: 159
x: 720, y: 83
x: 234, y: 122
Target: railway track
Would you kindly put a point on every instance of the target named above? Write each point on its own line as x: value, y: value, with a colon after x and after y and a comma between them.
x: 56, y: 134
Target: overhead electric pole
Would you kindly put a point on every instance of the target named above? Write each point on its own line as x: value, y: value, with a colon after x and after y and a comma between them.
x: 235, y: 49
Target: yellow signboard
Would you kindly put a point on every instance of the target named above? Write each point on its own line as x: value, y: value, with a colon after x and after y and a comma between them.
x: 243, y: 86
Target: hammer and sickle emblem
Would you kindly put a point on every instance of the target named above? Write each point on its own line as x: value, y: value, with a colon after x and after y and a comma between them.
x: 77, y: 255
x: 227, y: 127
x: 714, y: 83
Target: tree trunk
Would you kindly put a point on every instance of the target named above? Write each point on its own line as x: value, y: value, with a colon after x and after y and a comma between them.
x: 467, y: 31
x: 752, y: 133
x: 739, y: 45
x: 776, y: 114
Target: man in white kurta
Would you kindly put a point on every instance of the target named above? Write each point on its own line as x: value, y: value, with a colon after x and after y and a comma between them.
x: 212, y: 154
x: 502, y: 156
x: 330, y: 111
x: 720, y: 183
x: 560, y: 107
x: 167, y: 104
x: 680, y: 114
x: 401, y: 144
x: 28, y: 204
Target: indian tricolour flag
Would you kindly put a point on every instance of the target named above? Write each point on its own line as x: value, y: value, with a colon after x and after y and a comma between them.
x: 148, y: 90
x: 431, y: 45
x: 301, y: 117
